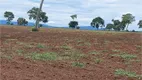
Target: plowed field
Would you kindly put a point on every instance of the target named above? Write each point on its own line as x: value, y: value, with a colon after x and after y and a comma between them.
x: 65, y: 54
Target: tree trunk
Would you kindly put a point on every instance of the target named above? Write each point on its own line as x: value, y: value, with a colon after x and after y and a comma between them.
x: 127, y: 27
x: 37, y: 16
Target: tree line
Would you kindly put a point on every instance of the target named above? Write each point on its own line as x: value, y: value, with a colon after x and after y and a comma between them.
x: 97, y: 22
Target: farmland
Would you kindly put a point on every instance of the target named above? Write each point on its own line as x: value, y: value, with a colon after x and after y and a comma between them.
x: 68, y: 54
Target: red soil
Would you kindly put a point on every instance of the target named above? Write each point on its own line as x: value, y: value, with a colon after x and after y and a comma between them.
x: 17, y: 67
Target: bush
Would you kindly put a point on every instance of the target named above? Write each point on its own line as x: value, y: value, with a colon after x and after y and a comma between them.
x: 133, y: 31
x: 35, y: 29
x: 127, y: 30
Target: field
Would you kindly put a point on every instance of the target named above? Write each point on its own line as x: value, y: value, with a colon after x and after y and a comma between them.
x: 63, y: 54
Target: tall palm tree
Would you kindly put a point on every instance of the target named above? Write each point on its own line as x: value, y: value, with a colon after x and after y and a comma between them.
x: 38, y: 12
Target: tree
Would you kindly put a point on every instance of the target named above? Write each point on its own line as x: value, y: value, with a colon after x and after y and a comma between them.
x: 109, y: 26
x: 128, y: 19
x: 22, y: 21
x: 97, y: 22
x: 9, y: 16
x: 33, y: 15
x: 140, y: 23
x: 73, y: 24
x: 118, y: 25
x: 73, y: 16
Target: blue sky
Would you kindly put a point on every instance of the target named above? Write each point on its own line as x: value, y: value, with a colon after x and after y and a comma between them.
x: 59, y: 11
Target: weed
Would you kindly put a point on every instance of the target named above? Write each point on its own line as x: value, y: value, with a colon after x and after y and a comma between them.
x: 98, y: 60
x: 94, y: 52
x: 44, y: 56
x: 6, y: 57
x: 72, y: 56
x: 19, y: 52
x: 121, y: 72
x: 125, y: 56
x: 66, y: 47
x: 78, y: 64
x: 116, y: 50
x: 40, y: 46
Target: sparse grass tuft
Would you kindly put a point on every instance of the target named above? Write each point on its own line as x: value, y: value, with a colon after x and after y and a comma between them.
x: 44, y: 56
x: 6, y: 57
x: 66, y: 47
x: 72, y: 55
x: 95, y: 52
x: 40, y: 46
x: 121, y: 72
x: 125, y: 56
x: 97, y: 61
x: 116, y: 51
x: 78, y: 64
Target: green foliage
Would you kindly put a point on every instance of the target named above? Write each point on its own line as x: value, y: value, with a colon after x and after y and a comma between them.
x: 125, y: 56
x: 109, y: 26
x: 22, y: 21
x: 9, y: 16
x: 73, y: 24
x: 94, y: 52
x: 128, y: 19
x: 33, y: 13
x: 40, y: 46
x: 118, y: 25
x: 78, y: 64
x: 98, y: 60
x: 73, y: 16
x: 140, y: 23
x: 121, y: 72
x: 97, y: 22
x: 44, y: 56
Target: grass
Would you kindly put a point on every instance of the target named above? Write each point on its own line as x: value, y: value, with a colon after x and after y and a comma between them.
x: 78, y: 64
x: 121, y: 72
x: 115, y: 50
x: 44, y: 56
x: 97, y: 61
x: 40, y: 46
x: 6, y: 57
x: 95, y: 52
x: 125, y: 56
x: 19, y: 52
x: 66, y: 47
x: 73, y: 55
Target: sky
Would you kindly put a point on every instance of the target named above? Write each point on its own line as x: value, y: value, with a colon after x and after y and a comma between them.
x: 59, y: 11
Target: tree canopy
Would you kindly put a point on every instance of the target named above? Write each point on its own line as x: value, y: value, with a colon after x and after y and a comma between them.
x: 140, y: 23
x: 22, y: 21
x: 128, y: 19
x: 9, y: 16
x: 33, y: 14
x: 97, y: 22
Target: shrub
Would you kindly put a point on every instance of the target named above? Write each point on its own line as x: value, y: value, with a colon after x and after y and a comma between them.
x: 35, y: 29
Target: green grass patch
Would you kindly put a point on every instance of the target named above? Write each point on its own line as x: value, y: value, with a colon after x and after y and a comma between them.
x: 6, y: 57
x: 78, y: 64
x: 40, y: 46
x: 121, y: 72
x: 115, y: 50
x: 125, y: 56
x: 66, y: 47
x: 95, y: 52
x: 71, y: 55
x: 98, y: 61
x: 44, y: 56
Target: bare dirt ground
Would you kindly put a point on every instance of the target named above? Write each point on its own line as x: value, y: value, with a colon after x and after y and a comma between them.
x: 76, y: 54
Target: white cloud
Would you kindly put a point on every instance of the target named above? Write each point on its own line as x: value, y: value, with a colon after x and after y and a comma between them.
x: 59, y: 11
